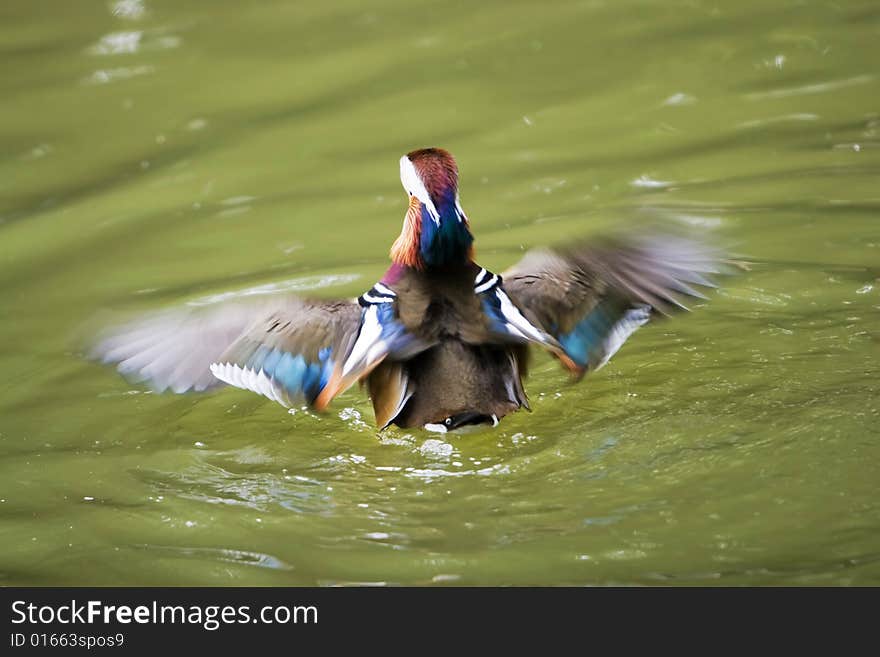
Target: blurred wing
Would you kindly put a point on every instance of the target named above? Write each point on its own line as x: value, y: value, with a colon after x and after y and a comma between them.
x: 284, y: 349
x: 318, y: 349
x: 587, y: 300
x: 174, y: 350
x: 289, y: 353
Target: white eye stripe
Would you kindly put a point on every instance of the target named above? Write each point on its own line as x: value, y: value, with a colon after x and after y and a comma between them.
x: 461, y: 215
x: 414, y: 185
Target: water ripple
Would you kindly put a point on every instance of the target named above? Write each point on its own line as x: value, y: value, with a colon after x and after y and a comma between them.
x: 818, y: 88
x: 228, y: 555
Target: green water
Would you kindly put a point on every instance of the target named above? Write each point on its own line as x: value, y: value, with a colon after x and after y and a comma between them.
x: 154, y: 153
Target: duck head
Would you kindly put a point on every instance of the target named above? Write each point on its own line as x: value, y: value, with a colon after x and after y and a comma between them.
x: 435, y: 229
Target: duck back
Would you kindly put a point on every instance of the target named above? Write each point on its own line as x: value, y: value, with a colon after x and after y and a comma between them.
x: 465, y: 377
x: 455, y: 383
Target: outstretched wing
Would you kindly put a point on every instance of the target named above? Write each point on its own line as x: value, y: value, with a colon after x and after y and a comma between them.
x: 173, y: 350
x: 286, y: 349
x: 289, y: 353
x: 586, y: 300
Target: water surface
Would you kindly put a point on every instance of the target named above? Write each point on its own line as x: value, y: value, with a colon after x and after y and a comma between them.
x: 155, y: 153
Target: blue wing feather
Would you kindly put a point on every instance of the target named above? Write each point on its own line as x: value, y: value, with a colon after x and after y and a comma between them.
x: 601, y: 333
x: 283, y: 368
x: 588, y: 345
x: 280, y: 374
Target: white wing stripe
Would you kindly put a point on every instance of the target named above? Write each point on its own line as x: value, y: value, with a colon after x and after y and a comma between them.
x: 371, y: 299
x: 248, y: 379
x: 629, y: 324
x: 383, y: 289
x: 368, y: 342
x: 487, y: 285
x: 516, y: 319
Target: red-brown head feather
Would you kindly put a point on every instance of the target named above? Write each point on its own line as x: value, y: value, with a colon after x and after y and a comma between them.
x: 437, y: 169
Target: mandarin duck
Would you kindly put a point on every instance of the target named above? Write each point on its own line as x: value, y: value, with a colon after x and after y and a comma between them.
x: 440, y: 342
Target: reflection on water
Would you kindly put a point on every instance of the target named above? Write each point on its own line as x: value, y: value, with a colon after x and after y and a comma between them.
x: 107, y: 75
x: 237, y: 557
x: 162, y: 154
x: 129, y: 9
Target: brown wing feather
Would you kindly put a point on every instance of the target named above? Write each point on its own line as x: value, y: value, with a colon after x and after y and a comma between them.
x: 558, y: 289
x: 559, y: 285
x: 182, y: 349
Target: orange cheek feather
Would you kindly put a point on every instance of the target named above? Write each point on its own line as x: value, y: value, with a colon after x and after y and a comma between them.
x: 405, y: 250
